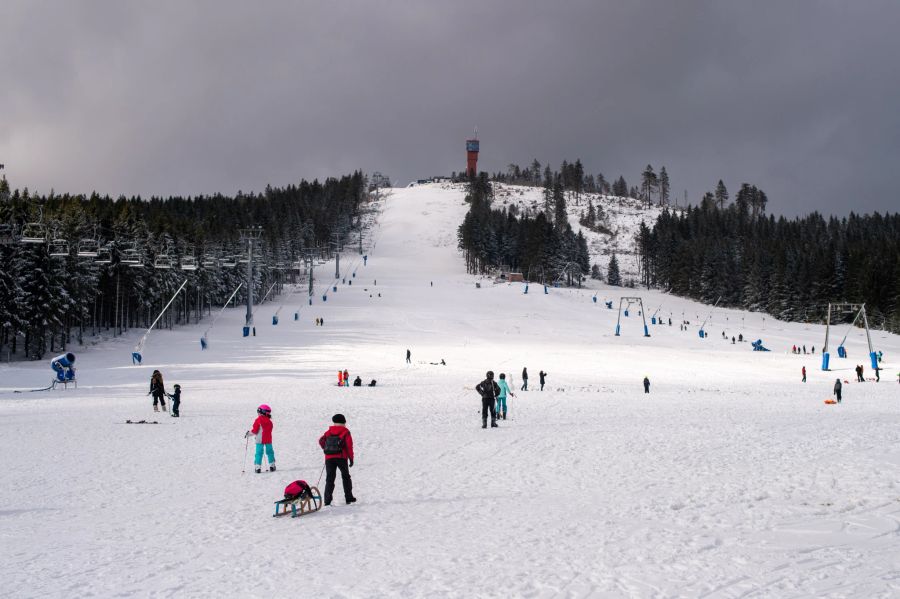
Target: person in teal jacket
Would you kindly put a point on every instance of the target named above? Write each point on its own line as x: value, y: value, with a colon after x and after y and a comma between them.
x: 501, y: 399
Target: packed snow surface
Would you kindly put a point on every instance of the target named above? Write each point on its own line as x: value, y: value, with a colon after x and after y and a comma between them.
x: 730, y: 479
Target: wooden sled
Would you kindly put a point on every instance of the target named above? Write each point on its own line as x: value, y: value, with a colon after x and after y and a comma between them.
x: 830, y: 401
x: 299, y: 506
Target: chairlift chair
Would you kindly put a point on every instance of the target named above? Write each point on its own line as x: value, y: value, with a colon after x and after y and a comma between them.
x: 162, y: 262
x: 132, y: 257
x: 33, y: 233
x: 88, y: 248
x: 209, y: 261
x: 188, y: 263
x: 229, y: 261
x: 104, y: 256
x: 59, y: 248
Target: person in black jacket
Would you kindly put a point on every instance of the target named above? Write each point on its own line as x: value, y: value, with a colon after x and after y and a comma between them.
x: 524, y: 380
x: 543, y: 376
x: 489, y: 390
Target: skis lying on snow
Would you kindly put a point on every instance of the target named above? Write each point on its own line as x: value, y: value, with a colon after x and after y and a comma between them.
x: 145, y: 422
x: 300, y: 506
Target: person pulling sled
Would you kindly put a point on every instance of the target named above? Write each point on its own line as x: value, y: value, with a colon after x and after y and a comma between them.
x: 337, y: 444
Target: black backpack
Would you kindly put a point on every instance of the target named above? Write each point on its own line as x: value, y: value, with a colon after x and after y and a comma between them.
x: 334, y: 445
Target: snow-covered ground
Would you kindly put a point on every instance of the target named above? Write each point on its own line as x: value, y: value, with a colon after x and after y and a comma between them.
x: 731, y: 479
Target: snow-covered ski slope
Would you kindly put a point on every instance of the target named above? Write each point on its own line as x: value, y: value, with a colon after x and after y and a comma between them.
x: 731, y: 479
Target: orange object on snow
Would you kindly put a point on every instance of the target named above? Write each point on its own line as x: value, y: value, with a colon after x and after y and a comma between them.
x: 830, y: 401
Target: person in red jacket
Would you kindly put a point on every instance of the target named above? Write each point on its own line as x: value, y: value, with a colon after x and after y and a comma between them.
x: 262, y: 428
x: 338, y: 447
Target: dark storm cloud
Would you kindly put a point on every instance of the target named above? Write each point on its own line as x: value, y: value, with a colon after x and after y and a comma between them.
x: 800, y: 98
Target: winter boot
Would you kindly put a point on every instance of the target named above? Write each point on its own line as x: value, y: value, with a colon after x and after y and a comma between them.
x: 484, y: 423
x: 493, y: 424
x: 164, y: 407
x: 155, y: 408
x: 351, y: 500
x: 271, y: 467
x: 258, y: 470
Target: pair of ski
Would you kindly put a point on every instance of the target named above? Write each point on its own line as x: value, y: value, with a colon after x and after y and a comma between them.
x: 299, y: 506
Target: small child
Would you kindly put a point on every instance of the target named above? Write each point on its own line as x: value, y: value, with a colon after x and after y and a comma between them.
x: 176, y: 400
x: 262, y: 428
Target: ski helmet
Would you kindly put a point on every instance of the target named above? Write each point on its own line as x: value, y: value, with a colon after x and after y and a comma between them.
x: 264, y: 409
x: 339, y: 419
x: 490, y: 374
x: 70, y: 357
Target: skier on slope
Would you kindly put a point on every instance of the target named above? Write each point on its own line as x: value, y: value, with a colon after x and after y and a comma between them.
x: 158, y: 390
x: 501, y: 398
x: 803, y: 372
x: 837, y: 389
x: 524, y: 380
x: 337, y: 443
x: 262, y: 429
x: 543, y: 376
x: 489, y: 390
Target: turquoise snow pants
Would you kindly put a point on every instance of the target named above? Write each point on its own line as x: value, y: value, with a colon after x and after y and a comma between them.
x: 501, y: 404
x: 270, y: 453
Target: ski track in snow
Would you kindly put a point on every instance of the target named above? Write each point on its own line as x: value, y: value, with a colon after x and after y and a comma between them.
x: 731, y: 479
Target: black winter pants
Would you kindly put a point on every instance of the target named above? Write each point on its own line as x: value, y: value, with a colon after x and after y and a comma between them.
x: 487, y: 405
x: 159, y: 397
x: 331, y: 467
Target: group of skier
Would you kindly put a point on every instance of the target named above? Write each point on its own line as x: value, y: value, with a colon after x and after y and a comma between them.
x: 158, y: 391
x: 336, y: 444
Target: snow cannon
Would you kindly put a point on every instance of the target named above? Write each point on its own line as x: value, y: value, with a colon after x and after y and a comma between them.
x: 609, y: 305
x: 296, y: 316
x: 63, y: 366
x: 874, y: 357
x: 136, y: 358
x: 246, y: 331
x: 595, y: 299
x: 546, y: 292
x: 652, y: 320
x: 842, y: 351
x: 826, y: 357
x: 702, y: 333
x: 274, y: 319
x: 758, y: 346
x: 334, y: 288
x: 202, y: 343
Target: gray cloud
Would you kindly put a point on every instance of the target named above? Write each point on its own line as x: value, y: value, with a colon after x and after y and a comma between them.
x: 800, y: 98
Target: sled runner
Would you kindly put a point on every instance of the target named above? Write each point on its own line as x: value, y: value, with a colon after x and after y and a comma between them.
x: 299, y: 506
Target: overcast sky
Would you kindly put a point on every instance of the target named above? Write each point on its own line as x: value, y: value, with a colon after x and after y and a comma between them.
x: 801, y: 98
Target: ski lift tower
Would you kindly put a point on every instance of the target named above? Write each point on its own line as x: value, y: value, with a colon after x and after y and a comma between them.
x: 472, y: 148
x: 250, y: 235
x: 847, y: 308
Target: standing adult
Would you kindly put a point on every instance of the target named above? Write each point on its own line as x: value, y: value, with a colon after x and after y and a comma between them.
x: 337, y: 443
x: 803, y: 372
x: 489, y: 390
x: 837, y: 389
x: 646, y: 384
x: 158, y: 390
x: 524, y: 379
x: 543, y: 377
x: 408, y: 356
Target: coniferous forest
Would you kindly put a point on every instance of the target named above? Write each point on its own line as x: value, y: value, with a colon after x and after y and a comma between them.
x: 544, y: 248
x: 72, y: 266
x: 790, y: 269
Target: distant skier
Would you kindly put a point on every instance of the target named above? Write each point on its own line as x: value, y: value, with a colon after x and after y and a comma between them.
x: 176, y: 400
x: 337, y: 443
x: 646, y: 384
x: 837, y: 390
x: 543, y: 377
x: 357, y: 382
x: 262, y: 429
x: 501, y: 398
x: 340, y: 378
x: 489, y: 390
x: 803, y: 372
x: 408, y: 357
x: 346, y: 378
x: 158, y: 390
x: 524, y: 379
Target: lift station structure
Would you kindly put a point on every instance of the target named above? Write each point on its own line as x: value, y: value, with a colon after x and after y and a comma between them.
x: 472, y: 148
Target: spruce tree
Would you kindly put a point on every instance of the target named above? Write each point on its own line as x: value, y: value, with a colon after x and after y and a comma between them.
x: 612, y: 272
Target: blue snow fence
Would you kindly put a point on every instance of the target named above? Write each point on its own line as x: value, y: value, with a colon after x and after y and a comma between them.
x: 826, y: 357
x: 842, y: 351
x: 617, y: 330
x: 874, y: 357
x: 274, y: 319
x: 246, y: 331
x: 136, y: 358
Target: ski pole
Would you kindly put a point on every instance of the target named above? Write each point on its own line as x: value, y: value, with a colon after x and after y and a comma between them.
x: 244, y: 461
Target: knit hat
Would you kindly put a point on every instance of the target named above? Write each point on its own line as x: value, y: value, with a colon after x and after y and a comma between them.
x: 339, y: 419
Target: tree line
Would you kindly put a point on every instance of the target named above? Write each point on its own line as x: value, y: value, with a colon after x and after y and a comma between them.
x: 542, y: 246
x: 790, y: 269
x: 141, y: 250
